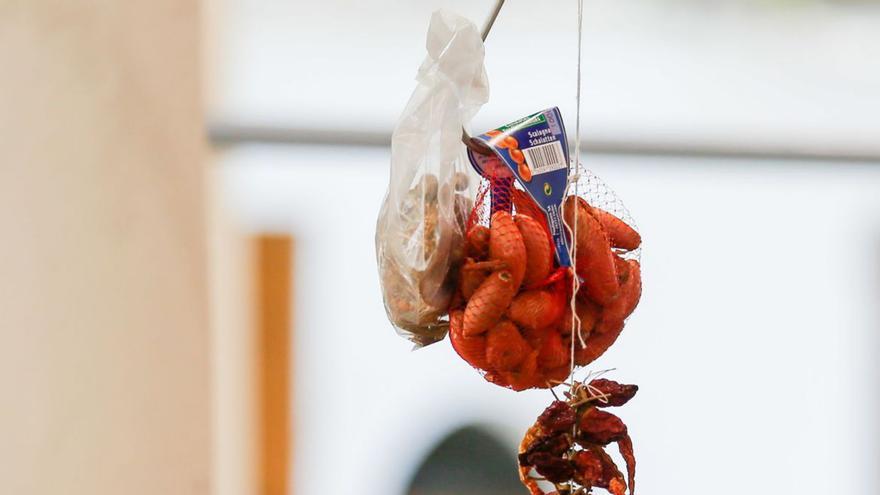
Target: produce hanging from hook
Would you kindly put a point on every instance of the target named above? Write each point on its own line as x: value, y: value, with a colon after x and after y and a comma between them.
x: 533, y: 278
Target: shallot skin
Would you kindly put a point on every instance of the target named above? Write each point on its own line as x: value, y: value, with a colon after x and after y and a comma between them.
x: 539, y: 249
x: 478, y: 242
x: 619, y: 232
x: 524, y: 377
x: 506, y: 244
x: 611, y: 324
x: 594, y: 259
x: 488, y: 303
x: 621, y: 307
x: 539, y: 308
x: 471, y: 349
x: 505, y: 347
x: 473, y: 273
x: 553, y: 353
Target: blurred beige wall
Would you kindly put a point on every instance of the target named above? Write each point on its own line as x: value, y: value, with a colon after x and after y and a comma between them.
x: 104, y: 374
x: 234, y: 353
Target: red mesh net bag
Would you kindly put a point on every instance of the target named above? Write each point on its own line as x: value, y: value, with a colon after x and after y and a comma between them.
x: 512, y: 294
x: 511, y: 317
x: 606, y: 255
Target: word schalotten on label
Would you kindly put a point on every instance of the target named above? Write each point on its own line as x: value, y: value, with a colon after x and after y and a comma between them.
x: 534, y: 151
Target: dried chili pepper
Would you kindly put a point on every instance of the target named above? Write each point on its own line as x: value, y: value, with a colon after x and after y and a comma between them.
x: 612, y: 394
x: 557, y: 445
x: 598, y: 427
x: 558, y: 417
x: 552, y: 467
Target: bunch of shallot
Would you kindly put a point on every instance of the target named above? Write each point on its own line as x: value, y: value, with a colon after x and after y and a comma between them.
x: 511, y: 316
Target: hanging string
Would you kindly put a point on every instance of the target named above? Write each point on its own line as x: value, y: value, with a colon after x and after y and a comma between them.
x: 572, y: 189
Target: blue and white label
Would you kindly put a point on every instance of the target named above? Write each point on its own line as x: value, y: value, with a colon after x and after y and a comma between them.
x: 535, y: 152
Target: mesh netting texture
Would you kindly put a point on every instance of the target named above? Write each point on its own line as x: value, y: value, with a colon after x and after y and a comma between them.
x: 511, y: 316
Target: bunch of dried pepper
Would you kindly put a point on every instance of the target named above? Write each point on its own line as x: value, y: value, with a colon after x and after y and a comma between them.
x: 566, y: 446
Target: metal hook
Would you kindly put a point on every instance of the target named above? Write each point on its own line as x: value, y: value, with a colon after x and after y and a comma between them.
x: 476, y: 145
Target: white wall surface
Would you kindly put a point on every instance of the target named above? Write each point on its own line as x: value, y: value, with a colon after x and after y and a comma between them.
x: 734, y: 75
x: 754, y: 344
x: 755, y: 339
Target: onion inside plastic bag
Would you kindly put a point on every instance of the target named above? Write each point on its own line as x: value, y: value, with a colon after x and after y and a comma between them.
x: 420, y: 229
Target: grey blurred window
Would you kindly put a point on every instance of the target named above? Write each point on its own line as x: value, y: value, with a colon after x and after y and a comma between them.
x: 468, y: 461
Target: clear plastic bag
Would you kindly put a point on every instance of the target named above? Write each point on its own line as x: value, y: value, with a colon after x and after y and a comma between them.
x: 420, y: 229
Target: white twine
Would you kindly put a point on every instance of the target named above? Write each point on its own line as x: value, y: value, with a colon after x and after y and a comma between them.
x: 573, y: 181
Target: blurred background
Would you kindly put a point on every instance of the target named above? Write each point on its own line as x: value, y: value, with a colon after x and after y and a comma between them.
x: 188, y: 294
